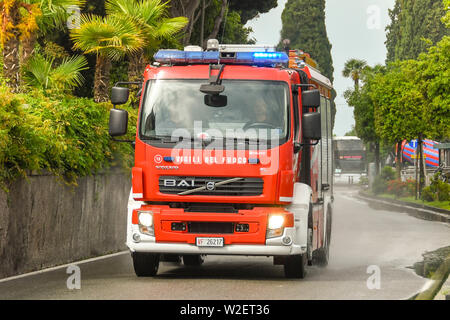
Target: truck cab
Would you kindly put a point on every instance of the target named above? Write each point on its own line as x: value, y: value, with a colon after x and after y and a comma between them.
x: 232, y: 157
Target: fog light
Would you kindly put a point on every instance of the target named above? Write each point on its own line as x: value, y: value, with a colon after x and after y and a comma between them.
x: 276, y: 222
x: 136, y: 237
x: 146, y: 218
x: 275, y: 226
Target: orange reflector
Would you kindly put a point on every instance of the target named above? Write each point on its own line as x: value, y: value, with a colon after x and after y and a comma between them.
x: 289, y: 220
x: 135, y: 217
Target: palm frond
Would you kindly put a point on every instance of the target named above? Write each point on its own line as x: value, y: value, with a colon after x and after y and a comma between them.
x: 68, y: 73
x: 41, y: 73
x: 37, y: 72
x: 146, y: 11
x: 150, y: 16
x: 109, y: 36
x: 168, y: 27
x: 54, y: 13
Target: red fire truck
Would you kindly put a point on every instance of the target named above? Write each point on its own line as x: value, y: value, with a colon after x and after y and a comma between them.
x: 233, y: 156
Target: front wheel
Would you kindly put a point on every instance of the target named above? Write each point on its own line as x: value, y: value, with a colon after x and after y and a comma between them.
x: 322, y: 255
x: 145, y: 264
x: 295, y: 266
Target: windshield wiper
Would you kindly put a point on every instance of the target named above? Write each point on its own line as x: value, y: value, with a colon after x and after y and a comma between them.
x: 163, y: 139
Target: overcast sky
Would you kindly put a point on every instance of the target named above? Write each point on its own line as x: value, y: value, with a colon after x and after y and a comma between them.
x: 356, y: 29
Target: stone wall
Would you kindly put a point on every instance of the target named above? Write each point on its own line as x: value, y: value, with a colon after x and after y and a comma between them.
x: 44, y: 223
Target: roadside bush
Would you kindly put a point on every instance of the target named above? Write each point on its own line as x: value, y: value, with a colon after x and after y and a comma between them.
x: 65, y: 135
x: 387, y: 173
x: 428, y: 195
x: 437, y: 191
x: 379, y: 185
x: 396, y: 187
x: 401, y: 188
x: 363, y: 181
x: 411, y: 187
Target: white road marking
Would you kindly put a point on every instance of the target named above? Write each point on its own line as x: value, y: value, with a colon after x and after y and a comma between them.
x: 63, y: 266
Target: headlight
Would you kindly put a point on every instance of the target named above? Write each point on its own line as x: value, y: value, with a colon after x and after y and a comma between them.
x: 276, y: 222
x: 145, y: 218
x: 275, y: 226
x: 146, y: 223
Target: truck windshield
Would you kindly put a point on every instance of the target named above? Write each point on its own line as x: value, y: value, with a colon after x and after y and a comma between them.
x: 255, y: 109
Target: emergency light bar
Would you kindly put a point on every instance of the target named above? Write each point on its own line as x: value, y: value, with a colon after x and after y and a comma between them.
x: 175, y: 57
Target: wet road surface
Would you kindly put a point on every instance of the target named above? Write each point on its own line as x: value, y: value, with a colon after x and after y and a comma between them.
x: 362, y: 238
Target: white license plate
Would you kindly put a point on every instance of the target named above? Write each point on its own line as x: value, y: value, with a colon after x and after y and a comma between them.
x: 209, y: 242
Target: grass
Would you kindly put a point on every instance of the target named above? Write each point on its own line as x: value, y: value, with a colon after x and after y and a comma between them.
x: 437, y: 204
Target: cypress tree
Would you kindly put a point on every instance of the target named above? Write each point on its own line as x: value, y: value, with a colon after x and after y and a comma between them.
x: 304, y: 25
x: 413, y: 21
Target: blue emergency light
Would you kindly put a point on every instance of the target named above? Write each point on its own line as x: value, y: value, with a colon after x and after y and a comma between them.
x: 175, y: 57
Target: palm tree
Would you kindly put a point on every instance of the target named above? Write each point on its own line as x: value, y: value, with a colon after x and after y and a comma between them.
x: 54, y: 16
x: 109, y: 38
x: 354, y: 68
x: 40, y: 72
x: 151, y: 18
x: 17, y: 21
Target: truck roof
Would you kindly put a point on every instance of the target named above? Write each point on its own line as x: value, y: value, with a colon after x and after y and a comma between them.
x: 201, y: 71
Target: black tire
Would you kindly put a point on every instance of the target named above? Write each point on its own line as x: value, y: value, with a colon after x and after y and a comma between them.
x: 193, y: 260
x: 322, y: 255
x: 145, y: 264
x: 295, y: 266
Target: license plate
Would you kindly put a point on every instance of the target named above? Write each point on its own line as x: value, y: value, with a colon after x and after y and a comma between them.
x: 209, y: 242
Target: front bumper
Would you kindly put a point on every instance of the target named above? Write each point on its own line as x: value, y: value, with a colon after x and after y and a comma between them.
x: 272, y: 247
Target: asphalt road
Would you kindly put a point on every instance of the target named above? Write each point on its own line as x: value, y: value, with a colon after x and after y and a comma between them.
x: 362, y: 238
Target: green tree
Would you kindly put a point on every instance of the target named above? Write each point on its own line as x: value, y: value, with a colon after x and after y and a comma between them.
x: 353, y: 68
x: 363, y: 111
x: 150, y: 17
x: 398, y: 105
x: 351, y: 133
x: 109, y: 38
x: 415, y: 26
x: 446, y: 18
x: 216, y: 15
x: 17, y: 21
x: 53, y: 17
x: 249, y: 9
x: 304, y: 25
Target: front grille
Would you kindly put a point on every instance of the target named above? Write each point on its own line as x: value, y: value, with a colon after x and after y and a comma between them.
x: 211, y: 227
x: 242, y: 187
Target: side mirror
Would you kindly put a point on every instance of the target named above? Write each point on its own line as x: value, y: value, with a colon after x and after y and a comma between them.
x: 216, y: 100
x: 312, y: 128
x: 119, y: 95
x: 311, y: 98
x: 118, y: 122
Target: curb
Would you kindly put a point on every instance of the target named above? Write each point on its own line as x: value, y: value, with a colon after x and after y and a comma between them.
x: 419, y: 211
x: 444, y: 293
x: 439, y: 278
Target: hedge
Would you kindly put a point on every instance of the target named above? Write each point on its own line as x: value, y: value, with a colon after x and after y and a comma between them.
x: 65, y: 135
